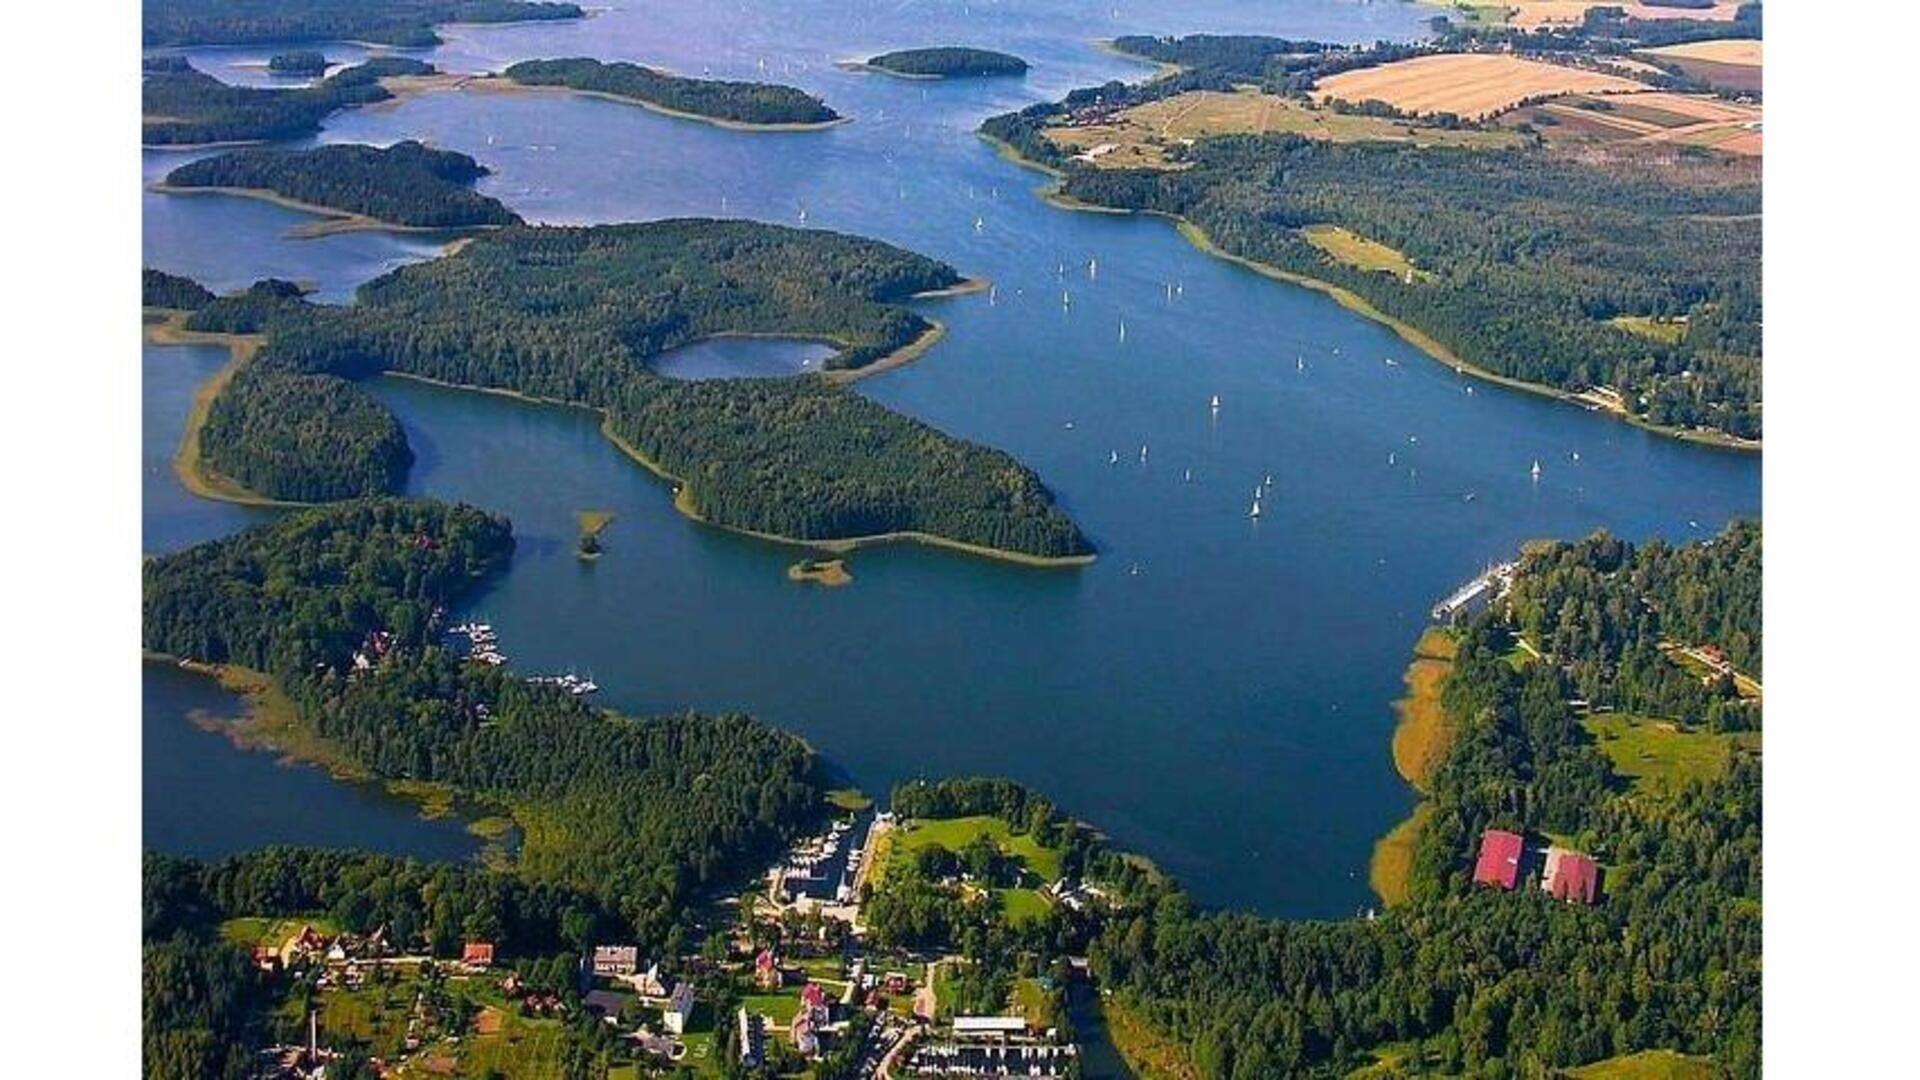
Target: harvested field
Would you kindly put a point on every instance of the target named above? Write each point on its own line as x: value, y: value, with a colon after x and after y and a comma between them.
x: 1142, y: 136
x: 1745, y: 78
x: 1744, y: 52
x: 1651, y: 117
x: 1532, y: 14
x: 1469, y: 85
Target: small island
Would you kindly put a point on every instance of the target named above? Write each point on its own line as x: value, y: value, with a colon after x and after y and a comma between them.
x: 182, y: 106
x: 300, y: 62
x: 946, y: 62
x: 743, y: 105
x: 403, y: 186
x: 831, y: 573
x: 592, y: 524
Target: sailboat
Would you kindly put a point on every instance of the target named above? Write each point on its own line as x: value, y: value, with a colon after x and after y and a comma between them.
x: 993, y: 294
x: 1536, y: 468
x: 1186, y: 476
x: 1143, y: 453
x: 1255, y: 512
x: 1269, y: 482
x: 1300, y: 364
x: 1123, y: 331
x: 1391, y: 457
x: 1066, y: 299
x: 978, y: 223
x: 1113, y: 457
x: 1093, y: 268
x: 1216, y: 403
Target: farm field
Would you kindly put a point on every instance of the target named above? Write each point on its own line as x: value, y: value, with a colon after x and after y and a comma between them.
x: 1658, y: 756
x: 1141, y: 137
x: 1470, y: 85
x: 1533, y: 14
x: 1651, y: 117
x: 1745, y: 52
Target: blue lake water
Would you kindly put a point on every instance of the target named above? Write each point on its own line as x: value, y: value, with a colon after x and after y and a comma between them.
x: 1214, y: 691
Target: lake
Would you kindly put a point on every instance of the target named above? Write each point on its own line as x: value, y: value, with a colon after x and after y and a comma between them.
x: 1214, y: 691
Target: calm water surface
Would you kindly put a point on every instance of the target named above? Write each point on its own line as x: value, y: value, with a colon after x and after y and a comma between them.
x: 1213, y: 691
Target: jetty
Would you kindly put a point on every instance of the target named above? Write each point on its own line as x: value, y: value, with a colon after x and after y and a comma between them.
x: 1489, y: 585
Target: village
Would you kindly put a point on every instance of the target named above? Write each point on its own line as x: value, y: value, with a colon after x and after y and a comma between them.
x: 784, y: 983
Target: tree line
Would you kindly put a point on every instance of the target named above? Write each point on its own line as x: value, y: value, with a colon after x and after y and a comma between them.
x: 406, y: 23
x: 949, y: 61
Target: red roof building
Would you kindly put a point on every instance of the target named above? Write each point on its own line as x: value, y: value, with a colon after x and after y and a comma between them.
x: 477, y: 953
x: 1499, y: 863
x: 1571, y: 876
x: 813, y: 997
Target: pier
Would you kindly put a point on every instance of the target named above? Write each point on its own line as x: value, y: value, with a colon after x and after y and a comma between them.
x: 1491, y: 584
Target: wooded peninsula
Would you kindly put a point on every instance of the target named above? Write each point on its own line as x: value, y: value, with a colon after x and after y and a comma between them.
x: 406, y: 184
x: 183, y: 106
x: 573, y: 315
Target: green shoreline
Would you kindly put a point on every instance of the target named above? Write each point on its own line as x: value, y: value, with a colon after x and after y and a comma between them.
x: 337, y: 220
x: 1054, y: 195
x: 502, y: 84
x: 195, y: 474
x: 682, y: 497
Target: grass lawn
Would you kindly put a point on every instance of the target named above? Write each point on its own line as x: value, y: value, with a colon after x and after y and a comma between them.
x: 956, y: 833
x: 1669, y: 331
x: 1647, y: 1065
x: 828, y: 968
x: 1031, y: 1000
x: 1022, y: 905
x: 1357, y: 251
x: 778, y: 1008
x: 1659, y: 756
x: 249, y: 931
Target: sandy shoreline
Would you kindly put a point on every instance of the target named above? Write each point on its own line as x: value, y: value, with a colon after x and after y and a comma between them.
x: 194, y: 473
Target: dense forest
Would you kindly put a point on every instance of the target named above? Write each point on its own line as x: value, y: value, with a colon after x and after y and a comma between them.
x: 1524, y: 257
x: 718, y: 99
x: 343, y: 605
x: 949, y: 61
x: 304, y: 438
x: 406, y: 23
x: 573, y: 314
x: 403, y: 184
x: 181, y: 105
x: 163, y: 290
x: 298, y: 62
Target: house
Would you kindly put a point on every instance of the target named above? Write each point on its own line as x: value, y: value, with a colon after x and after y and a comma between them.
x: 766, y: 970
x: 753, y: 1039
x: 1571, y: 876
x: 813, y: 997
x: 1500, y: 855
x: 806, y: 1037
x: 613, y: 961
x: 266, y: 958
x: 477, y: 954
x: 679, y: 1011
x: 301, y: 945
x: 1000, y: 1026
x: 648, y: 983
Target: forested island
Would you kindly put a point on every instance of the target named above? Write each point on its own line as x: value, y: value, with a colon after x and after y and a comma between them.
x: 159, y: 289
x: 302, y: 62
x: 624, y: 821
x: 183, y: 106
x: 406, y: 184
x: 406, y: 23
x: 743, y: 104
x: 948, y: 62
x: 1628, y: 282
x: 573, y: 315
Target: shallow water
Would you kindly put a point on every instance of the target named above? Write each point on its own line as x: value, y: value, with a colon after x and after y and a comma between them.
x: 1214, y: 691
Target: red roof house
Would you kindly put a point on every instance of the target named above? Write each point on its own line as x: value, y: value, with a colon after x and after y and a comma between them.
x: 477, y: 953
x: 1571, y: 876
x: 1499, y: 863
